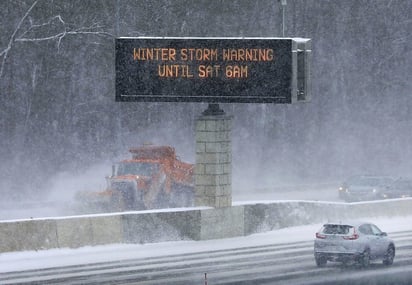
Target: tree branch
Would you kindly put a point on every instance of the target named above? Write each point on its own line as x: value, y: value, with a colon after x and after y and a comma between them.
x: 5, y: 52
x: 94, y: 29
x: 91, y: 30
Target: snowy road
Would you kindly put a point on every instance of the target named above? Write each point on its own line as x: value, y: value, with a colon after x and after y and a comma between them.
x: 279, y: 257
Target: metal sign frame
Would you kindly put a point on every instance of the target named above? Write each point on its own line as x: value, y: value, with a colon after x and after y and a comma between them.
x: 213, y: 70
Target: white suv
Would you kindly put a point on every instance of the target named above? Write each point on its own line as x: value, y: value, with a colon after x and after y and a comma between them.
x: 353, y: 242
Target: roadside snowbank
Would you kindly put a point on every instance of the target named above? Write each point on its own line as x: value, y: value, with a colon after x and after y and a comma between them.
x: 32, y: 260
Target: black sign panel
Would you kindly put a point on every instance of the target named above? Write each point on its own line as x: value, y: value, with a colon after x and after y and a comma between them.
x: 214, y: 70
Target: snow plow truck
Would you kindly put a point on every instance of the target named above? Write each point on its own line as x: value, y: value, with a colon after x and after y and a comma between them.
x: 153, y: 178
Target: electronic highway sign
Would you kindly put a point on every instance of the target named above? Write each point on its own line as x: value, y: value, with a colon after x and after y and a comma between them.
x: 213, y: 70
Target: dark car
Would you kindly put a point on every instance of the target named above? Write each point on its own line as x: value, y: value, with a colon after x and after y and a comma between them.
x: 365, y: 187
x: 400, y: 188
x: 349, y: 242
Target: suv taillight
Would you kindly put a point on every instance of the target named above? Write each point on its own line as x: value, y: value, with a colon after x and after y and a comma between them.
x: 318, y: 235
x: 352, y: 237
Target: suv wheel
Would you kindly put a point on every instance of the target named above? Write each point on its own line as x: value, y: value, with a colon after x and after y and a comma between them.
x: 365, y: 259
x: 389, y: 256
x: 320, y: 260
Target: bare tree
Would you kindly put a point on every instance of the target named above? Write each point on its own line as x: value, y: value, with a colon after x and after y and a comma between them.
x: 34, y: 32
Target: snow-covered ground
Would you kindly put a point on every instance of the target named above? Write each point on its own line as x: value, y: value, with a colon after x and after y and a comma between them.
x: 17, y: 261
x: 65, y: 206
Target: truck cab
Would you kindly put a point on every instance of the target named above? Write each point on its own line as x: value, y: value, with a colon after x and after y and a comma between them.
x: 152, y: 178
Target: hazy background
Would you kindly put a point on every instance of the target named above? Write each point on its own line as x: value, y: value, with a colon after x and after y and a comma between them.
x: 59, y: 123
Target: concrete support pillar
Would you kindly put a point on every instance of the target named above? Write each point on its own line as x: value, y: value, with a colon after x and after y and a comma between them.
x: 213, y: 170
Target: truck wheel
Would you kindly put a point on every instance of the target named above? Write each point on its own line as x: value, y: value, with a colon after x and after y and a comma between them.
x: 182, y: 196
x: 116, y: 202
x: 187, y: 196
x: 162, y: 200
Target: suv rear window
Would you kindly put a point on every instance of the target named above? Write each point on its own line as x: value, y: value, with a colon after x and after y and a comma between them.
x: 337, y: 229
